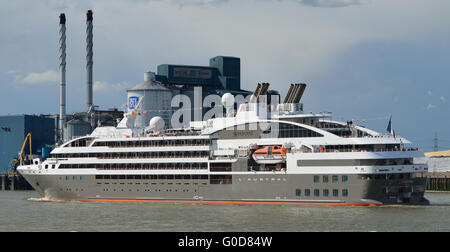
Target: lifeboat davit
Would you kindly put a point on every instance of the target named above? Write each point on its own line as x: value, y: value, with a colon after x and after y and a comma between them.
x: 271, y: 154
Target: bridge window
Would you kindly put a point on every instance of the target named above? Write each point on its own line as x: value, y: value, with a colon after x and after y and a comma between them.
x: 259, y: 130
x: 290, y: 130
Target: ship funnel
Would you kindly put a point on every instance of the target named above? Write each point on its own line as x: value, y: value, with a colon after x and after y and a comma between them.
x: 261, y: 89
x: 62, y: 71
x: 255, y: 95
x: 294, y: 93
x: 265, y: 87
x: 89, y: 62
x: 288, y: 93
x: 300, y: 93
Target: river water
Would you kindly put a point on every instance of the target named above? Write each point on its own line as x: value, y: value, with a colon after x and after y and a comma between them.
x: 25, y: 211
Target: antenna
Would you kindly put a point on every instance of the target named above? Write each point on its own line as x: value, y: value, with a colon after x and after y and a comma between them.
x: 435, y: 141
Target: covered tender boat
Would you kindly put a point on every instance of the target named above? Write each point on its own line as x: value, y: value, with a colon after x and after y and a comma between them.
x: 271, y: 154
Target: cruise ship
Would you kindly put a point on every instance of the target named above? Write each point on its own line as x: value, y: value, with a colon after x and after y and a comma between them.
x: 261, y: 153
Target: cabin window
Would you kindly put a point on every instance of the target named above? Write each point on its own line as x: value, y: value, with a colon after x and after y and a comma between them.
x: 219, y: 167
x: 316, y: 179
x: 316, y: 192
x: 307, y: 192
x: 335, y: 179
x: 344, y: 178
x: 335, y: 193
x: 220, y: 179
x: 344, y: 192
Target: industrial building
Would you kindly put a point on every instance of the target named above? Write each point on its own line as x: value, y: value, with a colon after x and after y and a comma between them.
x: 14, y: 128
x: 153, y: 97
x: 438, y: 161
x: 148, y: 99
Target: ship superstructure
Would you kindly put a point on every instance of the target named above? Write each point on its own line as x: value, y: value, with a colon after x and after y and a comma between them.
x: 264, y: 152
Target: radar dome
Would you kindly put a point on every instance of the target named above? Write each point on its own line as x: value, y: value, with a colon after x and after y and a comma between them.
x: 156, y: 124
x: 228, y: 100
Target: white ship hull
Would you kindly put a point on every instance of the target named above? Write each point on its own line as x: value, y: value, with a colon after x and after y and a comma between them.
x: 329, y: 163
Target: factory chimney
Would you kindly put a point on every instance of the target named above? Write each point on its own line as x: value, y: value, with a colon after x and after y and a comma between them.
x: 89, y: 61
x: 62, y: 71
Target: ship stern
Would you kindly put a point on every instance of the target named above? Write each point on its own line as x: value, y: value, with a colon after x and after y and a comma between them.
x: 395, y: 189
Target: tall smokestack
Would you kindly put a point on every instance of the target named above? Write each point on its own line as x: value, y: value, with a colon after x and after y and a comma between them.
x: 62, y: 71
x: 89, y: 61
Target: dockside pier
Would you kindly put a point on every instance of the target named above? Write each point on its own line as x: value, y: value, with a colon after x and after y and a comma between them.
x: 13, y: 181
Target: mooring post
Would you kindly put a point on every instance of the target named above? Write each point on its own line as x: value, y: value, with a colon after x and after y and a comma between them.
x: 3, y: 182
x: 13, y: 178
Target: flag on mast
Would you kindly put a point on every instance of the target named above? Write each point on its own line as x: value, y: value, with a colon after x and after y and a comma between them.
x: 390, y: 129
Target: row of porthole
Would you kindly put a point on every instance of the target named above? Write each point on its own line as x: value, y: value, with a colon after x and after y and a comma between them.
x: 74, y: 177
x: 149, y: 190
x: 325, y: 193
x: 161, y: 183
x: 264, y: 179
x: 70, y: 189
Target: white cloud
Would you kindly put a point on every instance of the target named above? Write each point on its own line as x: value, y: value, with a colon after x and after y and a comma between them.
x: 442, y: 99
x: 104, y: 86
x: 330, y: 3
x: 429, y: 92
x: 49, y: 76
x: 197, y: 2
x: 430, y: 106
x: 315, y: 3
x: 11, y: 72
x: 278, y: 41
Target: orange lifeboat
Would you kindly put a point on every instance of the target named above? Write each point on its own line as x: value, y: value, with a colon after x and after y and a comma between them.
x: 270, y: 154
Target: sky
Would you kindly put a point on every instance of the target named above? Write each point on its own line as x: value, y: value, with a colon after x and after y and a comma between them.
x: 363, y: 60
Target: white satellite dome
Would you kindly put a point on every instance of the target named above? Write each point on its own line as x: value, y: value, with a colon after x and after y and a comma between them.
x: 228, y: 103
x: 264, y: 126
x: 156, y: 124
x: 228, y: 100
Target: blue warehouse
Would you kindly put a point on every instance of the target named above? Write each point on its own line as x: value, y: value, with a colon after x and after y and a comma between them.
x: 14, y: 128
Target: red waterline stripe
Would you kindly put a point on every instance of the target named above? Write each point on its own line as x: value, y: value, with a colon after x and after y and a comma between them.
x: 223, y: 202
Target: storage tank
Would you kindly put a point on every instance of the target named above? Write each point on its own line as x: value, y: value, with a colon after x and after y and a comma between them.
x: 76, y: 128
x: 147, y: 100
x: 46, y: 152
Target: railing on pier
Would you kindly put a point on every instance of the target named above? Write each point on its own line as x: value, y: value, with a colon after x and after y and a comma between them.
x: 438, y: 184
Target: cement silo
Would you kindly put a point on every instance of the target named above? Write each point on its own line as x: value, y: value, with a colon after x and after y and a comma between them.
x: 147, y: 100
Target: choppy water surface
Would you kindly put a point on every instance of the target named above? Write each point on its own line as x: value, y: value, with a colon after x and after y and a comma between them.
x: 25, y: 211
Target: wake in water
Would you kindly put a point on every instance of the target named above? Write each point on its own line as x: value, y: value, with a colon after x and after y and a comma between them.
x: 43, y: 199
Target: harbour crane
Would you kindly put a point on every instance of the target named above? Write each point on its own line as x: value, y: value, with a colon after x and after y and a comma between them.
x: 21, y: 159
